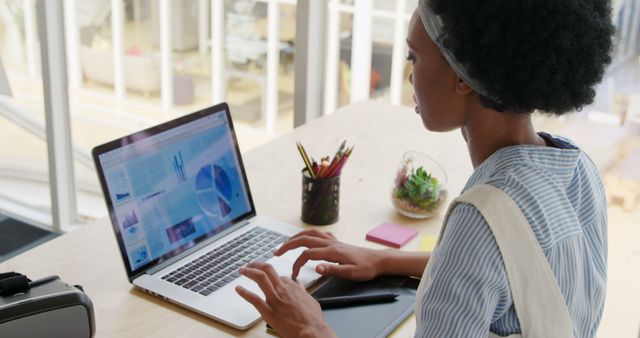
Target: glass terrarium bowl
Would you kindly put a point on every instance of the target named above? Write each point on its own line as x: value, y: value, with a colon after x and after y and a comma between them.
x: 420, y: 186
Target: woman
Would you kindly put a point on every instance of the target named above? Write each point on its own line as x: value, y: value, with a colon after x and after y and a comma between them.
x: 523, y: 250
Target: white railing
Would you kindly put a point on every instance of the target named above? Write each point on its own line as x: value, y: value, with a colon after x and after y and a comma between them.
x: 212, y: 17
x: 166, y: 55
x: 361, y: 46
x: 216, y: 43
x: 30, y: 36
x: 363, y: 12
x: 627, y: 20
x: 57, y: 122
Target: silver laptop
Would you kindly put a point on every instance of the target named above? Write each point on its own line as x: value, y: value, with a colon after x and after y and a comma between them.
x: 183, y: 216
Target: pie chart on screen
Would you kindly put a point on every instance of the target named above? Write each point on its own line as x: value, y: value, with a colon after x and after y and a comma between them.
x: 213, y: 191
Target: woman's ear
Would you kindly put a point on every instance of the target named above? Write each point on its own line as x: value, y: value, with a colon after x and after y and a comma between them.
x: 463, y: 88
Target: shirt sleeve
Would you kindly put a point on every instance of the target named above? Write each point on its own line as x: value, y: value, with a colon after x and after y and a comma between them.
x: 469, y: 288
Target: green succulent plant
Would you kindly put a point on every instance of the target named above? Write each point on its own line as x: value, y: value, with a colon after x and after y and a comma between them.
x: 419, y: 188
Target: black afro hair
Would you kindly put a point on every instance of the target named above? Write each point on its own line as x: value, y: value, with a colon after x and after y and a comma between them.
x: 544, y: 55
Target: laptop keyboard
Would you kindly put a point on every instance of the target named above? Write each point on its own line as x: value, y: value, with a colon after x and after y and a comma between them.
x: 221, y: 265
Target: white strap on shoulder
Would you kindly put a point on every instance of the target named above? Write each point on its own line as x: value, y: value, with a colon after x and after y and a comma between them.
x: 537, y: 298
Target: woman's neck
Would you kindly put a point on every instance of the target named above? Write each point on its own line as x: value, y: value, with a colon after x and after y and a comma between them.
x: 488, y: 130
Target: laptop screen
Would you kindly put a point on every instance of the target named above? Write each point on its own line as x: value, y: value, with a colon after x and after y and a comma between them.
x: 174, y: 185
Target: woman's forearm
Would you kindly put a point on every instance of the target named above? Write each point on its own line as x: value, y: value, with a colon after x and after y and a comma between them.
x: 403, y: 263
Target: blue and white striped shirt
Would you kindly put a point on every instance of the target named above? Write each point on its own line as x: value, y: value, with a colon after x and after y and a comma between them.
x: 560, y: 192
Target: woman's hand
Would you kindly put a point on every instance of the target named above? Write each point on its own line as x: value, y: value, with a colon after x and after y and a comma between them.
x: 354, y: 262
x: 288, y: 308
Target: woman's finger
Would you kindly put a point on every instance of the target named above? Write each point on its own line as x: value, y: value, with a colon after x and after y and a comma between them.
x: 346, y: 271
x: 311, y: 254
x: 313, y: 233
x: 269, y: 270
x: 302, y: 241
x: 256, y: 301
x: 262, y: 279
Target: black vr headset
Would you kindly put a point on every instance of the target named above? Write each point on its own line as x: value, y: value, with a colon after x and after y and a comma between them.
x: 45, y: 307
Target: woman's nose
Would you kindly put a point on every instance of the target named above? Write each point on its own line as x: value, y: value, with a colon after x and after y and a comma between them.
x: 411, y: 77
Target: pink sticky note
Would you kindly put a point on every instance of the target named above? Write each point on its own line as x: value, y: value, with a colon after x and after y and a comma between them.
x: 390, y: 234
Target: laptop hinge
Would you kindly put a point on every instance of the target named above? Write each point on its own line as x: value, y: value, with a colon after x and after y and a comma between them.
x: 195, y: 248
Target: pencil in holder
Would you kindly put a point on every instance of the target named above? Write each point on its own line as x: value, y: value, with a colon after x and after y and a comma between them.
x: 320, y: 199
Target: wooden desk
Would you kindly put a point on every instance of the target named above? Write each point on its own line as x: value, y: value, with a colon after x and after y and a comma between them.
x: 380, y: 132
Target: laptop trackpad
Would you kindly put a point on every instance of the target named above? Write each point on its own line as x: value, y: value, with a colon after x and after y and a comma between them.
x: 284, y: 265
x: 285, y: 262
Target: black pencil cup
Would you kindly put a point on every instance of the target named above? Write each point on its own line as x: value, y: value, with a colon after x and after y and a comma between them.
x: 320, y: 199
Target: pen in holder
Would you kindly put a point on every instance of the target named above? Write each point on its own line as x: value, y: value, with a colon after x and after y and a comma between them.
x: 320, y: 199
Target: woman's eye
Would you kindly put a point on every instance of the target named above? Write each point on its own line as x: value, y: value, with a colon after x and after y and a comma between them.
x: 411, y: 58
